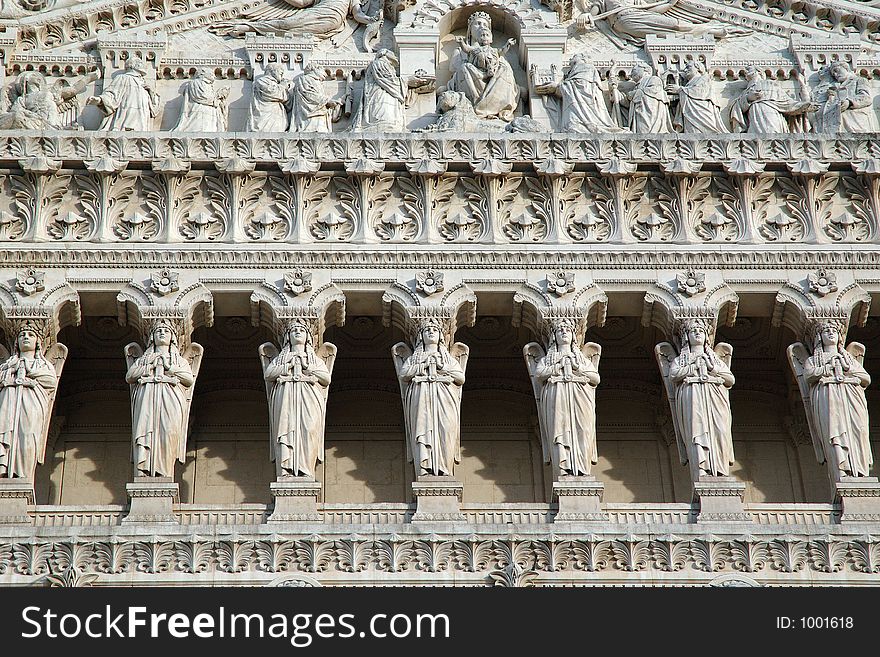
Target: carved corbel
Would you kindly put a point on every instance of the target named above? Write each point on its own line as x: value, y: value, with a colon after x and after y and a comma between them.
x: 298, y: 296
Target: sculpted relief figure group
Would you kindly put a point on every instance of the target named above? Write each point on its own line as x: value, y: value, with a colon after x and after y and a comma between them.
x: 484, y: 71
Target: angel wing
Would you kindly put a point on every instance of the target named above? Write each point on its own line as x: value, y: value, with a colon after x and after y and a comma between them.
x: 193, y: 355
x: 327, y: 353
x: 133, y: 351
x: 268, y: 352
x: 56, y: 355
x: 857, y: 351
x: 666, y: 355
x: 4, y: 353
x: 724, y: 352
x: 533, y: 353
x: 797, y: 358
x: 460, y: 352
x: 592, y: 351
x: 400, y: 353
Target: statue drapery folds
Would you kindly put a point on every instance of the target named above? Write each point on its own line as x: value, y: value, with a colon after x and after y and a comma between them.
x: 297, y: 381
x: 28, y: 383
x: 161, y: 380
x: 564, y: 379
x: 832, y: 381
x: 697, y: 378
x: 431, y: 376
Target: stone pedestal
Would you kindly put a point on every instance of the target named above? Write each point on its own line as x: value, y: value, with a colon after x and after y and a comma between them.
x: 859, y: 499
x: 720, y: 499
x: 152, y: 500
x: 15, y: 495
x: 579, y: 499
x: 296, y: 500
x: 438, y: 499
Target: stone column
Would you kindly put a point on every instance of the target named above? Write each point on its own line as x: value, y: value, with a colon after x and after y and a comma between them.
x: 431, y: 370
x: 688, y: 307
x: 297, y: 381
x: 832, y: 379
x: 565, y: 372
x: 162, y: 374
x: 31, y: 362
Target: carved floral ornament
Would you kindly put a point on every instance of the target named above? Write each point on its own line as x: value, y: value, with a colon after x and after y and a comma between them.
x: 164, y: 282
x: 297, y: 282
x: 30, y: 282
x: 429, y: 282
x: 691, y: 283
x: 560, y: 282
x: 822, y: 282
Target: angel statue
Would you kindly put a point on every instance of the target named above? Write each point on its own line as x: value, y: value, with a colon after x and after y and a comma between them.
x: 321, y: 18
x: 297, y: 381
x: 28, y: 382
x: 832, y: 382
x: 162, y: 382
x: 564, y: 379
x: 697, y: 381
x: 630, y: 22
x: 33, y: 102
x: 431, y: 377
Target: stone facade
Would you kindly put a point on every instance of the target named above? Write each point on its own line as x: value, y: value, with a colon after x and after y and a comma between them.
x: 456, y: 292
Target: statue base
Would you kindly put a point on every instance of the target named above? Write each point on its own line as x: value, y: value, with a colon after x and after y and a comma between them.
x: 296, y: 500
x: 15, y: 496
x: 438, y: 499
x: 720, y: 499
x: 579, y: 499
x: 859, y: 499
x: 152, y: 500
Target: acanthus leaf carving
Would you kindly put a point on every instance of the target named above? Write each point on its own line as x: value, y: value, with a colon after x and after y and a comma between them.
x: 193, y: 556
x: 490, y: 199
x: 233, y: 197
x: 353, y: 555
x: 154, y: 556
x: 425, y: 200
x: 274, y: 556
x: 682, y: 200
x: 616, y: 198
x: 168, y: 198
x: 314, y: 554
x: 745, y: 200
x: 102, y: 197
x: 297, y: 199
x: 788, y: 554
x: 37, y: 199
x: 234, y: 556
x: 361, y: 200
x: 555, y: 201
x: 863, y: 193
x: 809, y: 199
x: 749, y: 554
x: 394, y: 555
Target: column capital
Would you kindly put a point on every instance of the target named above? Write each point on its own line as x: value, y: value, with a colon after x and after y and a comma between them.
x: 539, y: 307
x: 299, y: 296
x: 43, y: 300
x: 408, y: 306
x: 689, y: 295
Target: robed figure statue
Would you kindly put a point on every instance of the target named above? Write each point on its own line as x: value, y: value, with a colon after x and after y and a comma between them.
x: 431, y: 377
x: 28, y: 382
x: 564, y: 379
x: 162, y: 380
x: 297, y: 382
x: 832, y: 381
x: 697, y: 381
